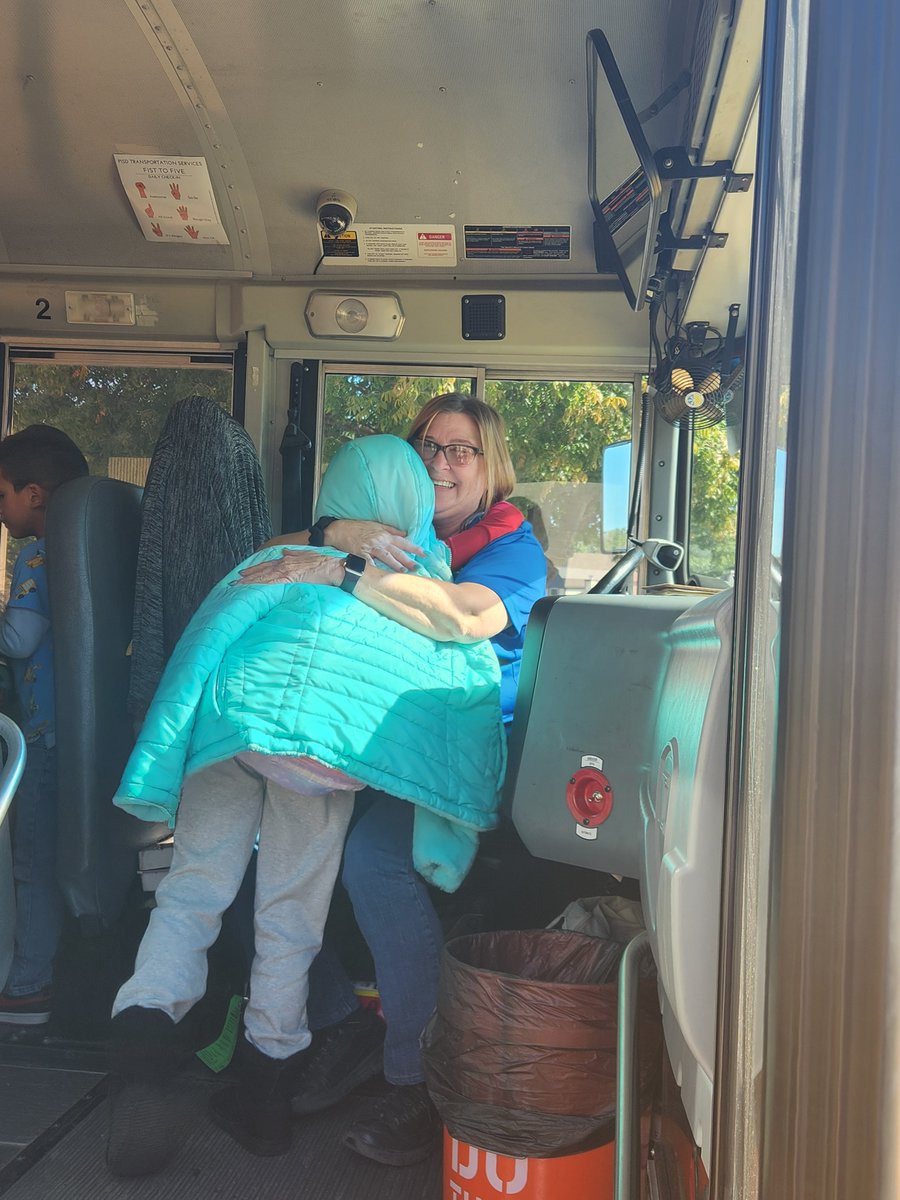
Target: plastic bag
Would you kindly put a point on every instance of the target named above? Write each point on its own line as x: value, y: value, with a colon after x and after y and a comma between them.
x: 615, y: 917
x: 520, y: 1057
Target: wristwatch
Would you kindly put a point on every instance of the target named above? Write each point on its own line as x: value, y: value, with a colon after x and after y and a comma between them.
x: 354, y: 565
x: 317, y: 531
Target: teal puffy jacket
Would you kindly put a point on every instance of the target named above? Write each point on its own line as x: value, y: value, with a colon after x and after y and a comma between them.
x: 307, y: 670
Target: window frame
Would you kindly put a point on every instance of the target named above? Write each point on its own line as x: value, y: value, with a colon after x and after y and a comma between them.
x: 479, y: 375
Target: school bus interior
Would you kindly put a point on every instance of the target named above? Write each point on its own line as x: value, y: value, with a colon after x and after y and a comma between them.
x: 459, y: 136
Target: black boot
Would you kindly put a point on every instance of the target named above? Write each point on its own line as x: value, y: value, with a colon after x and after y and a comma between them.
x: 340, y: 1059
x: 402, y: 1128
x: 146, y: 1112
x: 256, y: 1111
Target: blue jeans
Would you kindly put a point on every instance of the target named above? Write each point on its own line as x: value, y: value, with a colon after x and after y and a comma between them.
x: 394, y: 912
x: 39, y: 902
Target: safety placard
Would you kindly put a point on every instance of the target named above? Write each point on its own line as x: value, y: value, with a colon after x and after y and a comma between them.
x: 172, y: 198
x: 340, y: 245
x: 504, y: 242
x: 393, y: 246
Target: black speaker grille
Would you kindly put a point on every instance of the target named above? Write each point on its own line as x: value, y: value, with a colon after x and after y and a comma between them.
x: 483, y: 318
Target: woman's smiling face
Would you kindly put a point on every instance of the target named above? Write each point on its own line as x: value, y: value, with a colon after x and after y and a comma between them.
x: 458, y: 491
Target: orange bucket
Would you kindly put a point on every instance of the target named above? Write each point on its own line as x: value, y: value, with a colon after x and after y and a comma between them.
x: 474, y: 1174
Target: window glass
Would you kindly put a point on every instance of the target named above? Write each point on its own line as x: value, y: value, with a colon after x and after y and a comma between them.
x: 714, y: 498
x: 558, y: 430
x: 114, y: 414
x: 359, y: 405
x: 557, y: 433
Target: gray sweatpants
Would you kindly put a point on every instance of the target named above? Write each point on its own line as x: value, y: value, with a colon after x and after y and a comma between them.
x: 300, y: 843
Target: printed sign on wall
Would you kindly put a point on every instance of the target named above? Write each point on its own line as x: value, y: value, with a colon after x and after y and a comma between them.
x: 392, y: 246
x: 172, y: 198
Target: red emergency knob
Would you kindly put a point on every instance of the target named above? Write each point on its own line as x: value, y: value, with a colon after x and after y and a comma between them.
x: 589, y: 796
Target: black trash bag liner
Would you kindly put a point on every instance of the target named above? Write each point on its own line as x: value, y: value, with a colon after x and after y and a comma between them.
x: 520, y: 1056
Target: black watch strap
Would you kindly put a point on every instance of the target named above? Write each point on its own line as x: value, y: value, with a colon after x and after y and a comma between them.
x: 354, y: 565
x: 317, y: 531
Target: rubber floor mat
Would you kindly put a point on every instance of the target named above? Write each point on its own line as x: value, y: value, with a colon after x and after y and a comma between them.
x: 210, y: 1166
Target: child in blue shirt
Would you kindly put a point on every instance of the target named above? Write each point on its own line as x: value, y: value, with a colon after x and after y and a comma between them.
x: 33, y: 464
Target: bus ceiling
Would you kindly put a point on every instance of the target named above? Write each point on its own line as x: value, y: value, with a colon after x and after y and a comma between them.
x: 159, y: 138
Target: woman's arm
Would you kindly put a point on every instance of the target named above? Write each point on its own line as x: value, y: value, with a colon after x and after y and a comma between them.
x: 447, y: 612
x: 374, y: 542
x: 301, y: 538
x: 369, y: 539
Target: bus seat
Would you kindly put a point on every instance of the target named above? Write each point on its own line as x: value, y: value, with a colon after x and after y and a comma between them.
x: 580, y: 738
x: 92, y: 532
x: 204, y: 510
x: 683, y: 812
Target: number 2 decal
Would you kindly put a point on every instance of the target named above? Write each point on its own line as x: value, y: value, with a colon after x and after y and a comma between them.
x: 43, y: 310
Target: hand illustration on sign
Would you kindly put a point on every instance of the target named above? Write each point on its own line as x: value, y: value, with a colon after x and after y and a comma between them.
x: 175, y: 190
x: 183, y: 212
x: 142, y: 190
x: 156, y: 229
x: 149, y: 210
x: 191, y: 231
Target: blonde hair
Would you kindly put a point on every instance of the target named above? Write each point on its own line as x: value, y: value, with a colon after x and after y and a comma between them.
x: 500, y: 476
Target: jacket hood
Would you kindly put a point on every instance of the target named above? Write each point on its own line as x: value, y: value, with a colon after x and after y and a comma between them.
x: 381, y: 478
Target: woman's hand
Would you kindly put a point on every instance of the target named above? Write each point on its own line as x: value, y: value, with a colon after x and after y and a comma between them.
x: 375, y: 542
x: 296, y: 566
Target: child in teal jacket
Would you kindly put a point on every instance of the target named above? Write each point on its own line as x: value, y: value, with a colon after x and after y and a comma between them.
x: 300, y: 685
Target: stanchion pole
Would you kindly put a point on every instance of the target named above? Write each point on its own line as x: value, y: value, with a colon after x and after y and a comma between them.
x: 628, y: 1114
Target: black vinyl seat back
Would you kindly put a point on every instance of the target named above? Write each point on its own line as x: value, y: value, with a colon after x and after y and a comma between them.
x: 92, y: 535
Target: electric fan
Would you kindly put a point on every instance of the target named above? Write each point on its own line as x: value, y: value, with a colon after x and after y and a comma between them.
x: 697, y: 380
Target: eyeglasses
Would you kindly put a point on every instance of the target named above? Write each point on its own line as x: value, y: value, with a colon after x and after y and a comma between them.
x: 457, y: 454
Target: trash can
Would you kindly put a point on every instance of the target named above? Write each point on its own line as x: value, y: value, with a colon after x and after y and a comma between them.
x: 520, y: 1060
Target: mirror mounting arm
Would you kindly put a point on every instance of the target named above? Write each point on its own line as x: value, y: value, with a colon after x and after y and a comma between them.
x: 673, y: 162
x: 666, y: 239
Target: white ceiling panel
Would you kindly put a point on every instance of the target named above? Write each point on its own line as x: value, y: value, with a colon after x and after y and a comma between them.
x: 440, y: 111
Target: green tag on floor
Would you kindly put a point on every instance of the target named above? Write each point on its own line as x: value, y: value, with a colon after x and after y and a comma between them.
x: 219, y: 1053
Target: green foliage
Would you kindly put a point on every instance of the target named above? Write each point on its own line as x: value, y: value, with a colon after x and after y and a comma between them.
x: 558, y: 429
x: 714, y: 497
x: 557, y: 432
x: 359, y: 405
x: 109, y: 410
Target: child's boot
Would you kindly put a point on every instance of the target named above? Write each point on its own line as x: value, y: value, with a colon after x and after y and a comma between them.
x: 146, y: 1114
x: 256, y: 1110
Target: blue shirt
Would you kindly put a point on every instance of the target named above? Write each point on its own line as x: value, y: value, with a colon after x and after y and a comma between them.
x: 33, y: 670
x: 515, y: 568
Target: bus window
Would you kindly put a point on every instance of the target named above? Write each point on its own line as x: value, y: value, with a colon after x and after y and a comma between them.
x: 714, y: 497
x: 558, y: 430
x: 113, y: 412
x: 356, y: 404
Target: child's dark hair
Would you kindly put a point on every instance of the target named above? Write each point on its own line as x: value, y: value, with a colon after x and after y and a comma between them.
x: 41, y: 454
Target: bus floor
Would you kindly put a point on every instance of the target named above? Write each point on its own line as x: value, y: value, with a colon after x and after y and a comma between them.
x: 53, y: 1127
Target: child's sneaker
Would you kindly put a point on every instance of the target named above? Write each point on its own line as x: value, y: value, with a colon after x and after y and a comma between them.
x: 25, y: 1010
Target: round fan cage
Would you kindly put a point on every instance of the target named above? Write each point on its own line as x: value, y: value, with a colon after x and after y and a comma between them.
x: 690, y: 390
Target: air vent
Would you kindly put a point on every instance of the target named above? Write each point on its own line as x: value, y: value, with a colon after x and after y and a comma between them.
x: 483, y: 318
